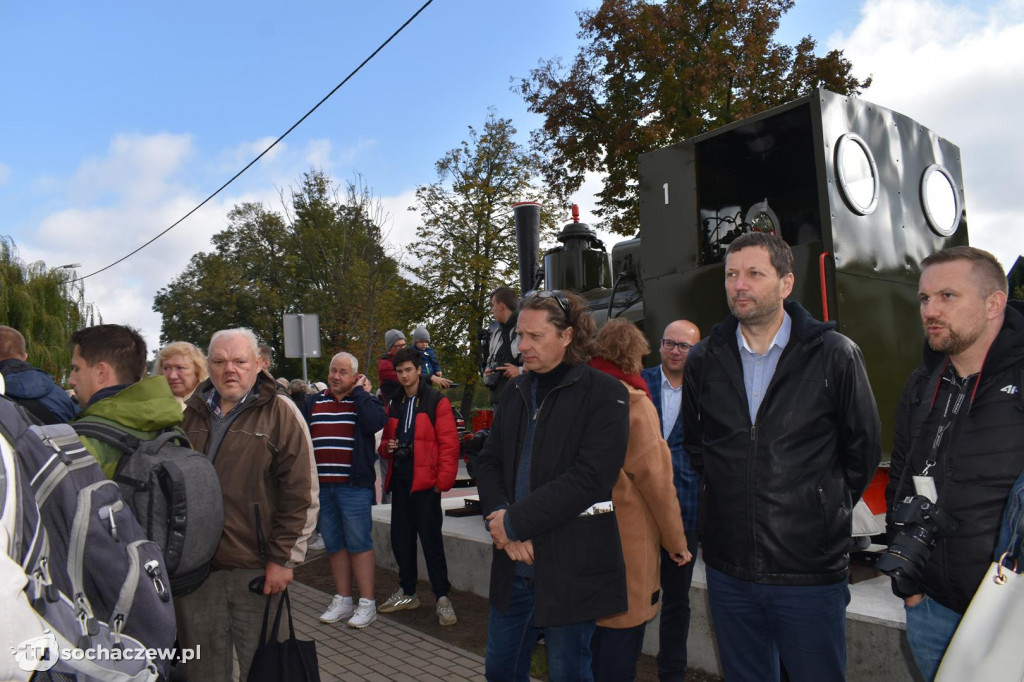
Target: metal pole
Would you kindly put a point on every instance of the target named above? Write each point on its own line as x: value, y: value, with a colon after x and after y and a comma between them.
x: 302, y: 345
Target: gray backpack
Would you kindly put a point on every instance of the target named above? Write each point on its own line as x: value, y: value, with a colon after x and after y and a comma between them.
x: 175, y: 495
x: 94, y: 579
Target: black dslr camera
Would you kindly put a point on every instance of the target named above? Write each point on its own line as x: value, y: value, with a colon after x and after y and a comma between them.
x: 491, y: 380
x: 920, y: 525
x: 403, y: 451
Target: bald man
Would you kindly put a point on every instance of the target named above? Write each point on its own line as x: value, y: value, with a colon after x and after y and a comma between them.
x: 666, y: 385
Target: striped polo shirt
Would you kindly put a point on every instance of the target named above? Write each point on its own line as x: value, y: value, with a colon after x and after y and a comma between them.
x: 332, y: 426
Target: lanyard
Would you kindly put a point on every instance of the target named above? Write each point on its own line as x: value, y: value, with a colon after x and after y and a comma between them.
x: 954, y: 401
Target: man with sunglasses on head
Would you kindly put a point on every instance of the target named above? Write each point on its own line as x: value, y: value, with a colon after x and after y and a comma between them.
x: 545, y: 477
x: 780, y: 421
x: 666, y: 386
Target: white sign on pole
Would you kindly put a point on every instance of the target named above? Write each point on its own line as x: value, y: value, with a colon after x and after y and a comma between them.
x: 302, y: 336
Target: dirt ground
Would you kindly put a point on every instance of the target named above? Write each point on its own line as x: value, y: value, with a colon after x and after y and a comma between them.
x: 469, y: 633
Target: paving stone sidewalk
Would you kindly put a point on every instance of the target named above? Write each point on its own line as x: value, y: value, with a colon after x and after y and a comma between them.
x: 384, y: 651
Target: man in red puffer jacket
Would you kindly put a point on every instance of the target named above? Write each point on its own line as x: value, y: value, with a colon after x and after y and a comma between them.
x: 421, y: 445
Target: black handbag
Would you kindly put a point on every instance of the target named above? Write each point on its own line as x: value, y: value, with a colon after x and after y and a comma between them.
x: 292, y: 660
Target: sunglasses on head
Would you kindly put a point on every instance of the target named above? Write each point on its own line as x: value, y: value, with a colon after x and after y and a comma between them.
x: 556, y: 294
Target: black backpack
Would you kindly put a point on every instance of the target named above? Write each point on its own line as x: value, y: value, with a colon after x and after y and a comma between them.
x: 175, y: 495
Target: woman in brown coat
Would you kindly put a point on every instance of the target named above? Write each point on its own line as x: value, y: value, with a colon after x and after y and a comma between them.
x: 646, y: 507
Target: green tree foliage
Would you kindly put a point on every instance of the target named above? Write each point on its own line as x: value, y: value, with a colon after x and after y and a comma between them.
x: 466, y: 241
x: 45, y: 304
x: 653, y: 73
x: 325, y: 255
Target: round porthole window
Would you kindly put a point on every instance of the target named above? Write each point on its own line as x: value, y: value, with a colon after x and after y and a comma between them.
x: 940, y: 200
x: 857, y: 174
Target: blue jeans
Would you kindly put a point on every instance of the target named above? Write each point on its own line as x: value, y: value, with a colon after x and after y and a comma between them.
x: 757, y: 624
x: 512, y: 637
x: 930, y: 627
x: 345, y: 521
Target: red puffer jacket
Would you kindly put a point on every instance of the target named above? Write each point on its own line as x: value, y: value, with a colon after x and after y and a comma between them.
x: 435, y: 440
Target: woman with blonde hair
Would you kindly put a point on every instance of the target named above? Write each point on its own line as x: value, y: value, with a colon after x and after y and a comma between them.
x: 185, y: 367
x: 646, y: 506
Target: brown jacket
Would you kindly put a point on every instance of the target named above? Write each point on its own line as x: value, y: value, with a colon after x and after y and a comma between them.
x: 647, y: 511
x: 265, y: 459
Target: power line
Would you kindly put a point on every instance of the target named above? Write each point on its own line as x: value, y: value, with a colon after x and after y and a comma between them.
x: 272, y: 145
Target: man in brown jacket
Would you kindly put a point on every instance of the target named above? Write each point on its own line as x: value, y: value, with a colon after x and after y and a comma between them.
x: 261, y: 450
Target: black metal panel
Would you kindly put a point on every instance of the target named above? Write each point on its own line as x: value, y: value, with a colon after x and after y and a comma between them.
x: 891, y: 241
x: 787, y: 156
x: 668, y: 210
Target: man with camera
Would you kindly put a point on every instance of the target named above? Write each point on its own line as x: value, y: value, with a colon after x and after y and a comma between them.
x: 421, y: 444
x: 503, y: 358
x: 958, y: 445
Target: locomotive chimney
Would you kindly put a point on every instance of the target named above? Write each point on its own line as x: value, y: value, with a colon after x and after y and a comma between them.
x: 527, y: 217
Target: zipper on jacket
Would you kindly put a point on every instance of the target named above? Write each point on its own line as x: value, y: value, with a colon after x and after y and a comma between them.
x: 261, y: 542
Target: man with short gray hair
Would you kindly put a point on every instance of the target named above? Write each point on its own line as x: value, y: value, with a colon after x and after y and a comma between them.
x: 263, y: 456
x: 343, y: 420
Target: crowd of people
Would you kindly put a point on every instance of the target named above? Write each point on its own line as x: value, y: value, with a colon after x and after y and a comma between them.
x: 599, y: 479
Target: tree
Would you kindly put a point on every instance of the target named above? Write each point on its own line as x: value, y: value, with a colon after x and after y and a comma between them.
x: 653, y: 73
x: 45, y: 304
x: 466, y: 241
x: 343, y: 258
x: 245, y: 281
x: 325, y: 254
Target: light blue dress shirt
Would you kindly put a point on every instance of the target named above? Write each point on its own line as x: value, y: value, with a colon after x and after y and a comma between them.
x: 758, y: 370
x: 671, y: 401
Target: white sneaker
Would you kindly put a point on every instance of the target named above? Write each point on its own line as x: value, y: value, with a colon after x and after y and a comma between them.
x: 317, y: 542
x: 340, y: 608
x: 445, y: 612
x: 365, y: 614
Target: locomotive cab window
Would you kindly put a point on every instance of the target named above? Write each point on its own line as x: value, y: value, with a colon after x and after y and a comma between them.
x: 760, y: 176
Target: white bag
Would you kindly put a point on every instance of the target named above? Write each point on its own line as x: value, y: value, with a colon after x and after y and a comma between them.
x: 988, y: 644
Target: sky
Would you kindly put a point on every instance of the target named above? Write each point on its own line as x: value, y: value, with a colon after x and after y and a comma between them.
x: 118, y: 118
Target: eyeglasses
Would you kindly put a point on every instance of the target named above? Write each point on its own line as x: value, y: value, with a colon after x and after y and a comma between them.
x: 669, y: 344
x: 557, y: 294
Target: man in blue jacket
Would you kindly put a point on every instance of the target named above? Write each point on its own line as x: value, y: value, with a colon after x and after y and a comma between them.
x: 666, y: 385
x: 32, y: 388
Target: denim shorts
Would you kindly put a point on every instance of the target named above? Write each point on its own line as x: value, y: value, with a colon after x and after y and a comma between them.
x: 345, y: 521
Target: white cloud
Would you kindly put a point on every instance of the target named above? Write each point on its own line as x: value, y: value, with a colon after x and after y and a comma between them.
x: 960, y: 72
x: 113, y: 205
x: 318, y: 154
x: 245, y: 152
x: 136, y: 167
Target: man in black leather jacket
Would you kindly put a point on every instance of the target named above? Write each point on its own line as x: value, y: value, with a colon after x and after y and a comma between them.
x: 780, y: 421
x: 969, y: 385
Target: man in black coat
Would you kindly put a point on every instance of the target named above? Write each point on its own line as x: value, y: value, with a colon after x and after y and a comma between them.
x: 959, y: 441
x: 780, y: 421
x: 545, y: 477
